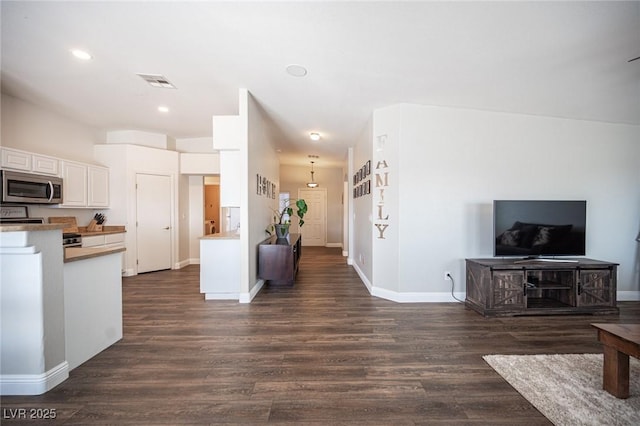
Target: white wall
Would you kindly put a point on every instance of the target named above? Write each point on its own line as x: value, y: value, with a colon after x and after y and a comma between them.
x: 360, y: 251
x: 294, y: 177
x: 32, y: 128
x: 256, y: 210
x: 125, y: 161
x: 454, y: 162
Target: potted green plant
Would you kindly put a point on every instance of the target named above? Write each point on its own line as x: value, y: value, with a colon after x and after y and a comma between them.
x: 282, y: 219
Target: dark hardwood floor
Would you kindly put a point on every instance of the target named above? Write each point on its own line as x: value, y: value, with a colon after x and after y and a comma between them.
x: 321, y: 352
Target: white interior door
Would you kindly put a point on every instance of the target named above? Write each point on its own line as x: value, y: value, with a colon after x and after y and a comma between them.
x: 314, y: 230
x: 153, y: 205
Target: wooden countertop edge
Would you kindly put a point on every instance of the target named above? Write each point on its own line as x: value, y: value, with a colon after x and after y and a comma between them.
x: 72, y: 254
x: 106, y: 230
x: 233, y: 235
x: 32, y: 227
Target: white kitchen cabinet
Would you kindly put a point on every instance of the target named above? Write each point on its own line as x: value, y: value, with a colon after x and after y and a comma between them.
x: 17, y: 160
x: 45, y: 165
x: 85, y: 185
x: 92, y: 306
x: 97, y: 186
x: 74, y: 178
x: 107, y: 240
x: 29, y: 162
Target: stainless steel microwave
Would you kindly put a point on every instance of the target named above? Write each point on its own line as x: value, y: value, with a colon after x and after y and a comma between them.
x: 30, y: 188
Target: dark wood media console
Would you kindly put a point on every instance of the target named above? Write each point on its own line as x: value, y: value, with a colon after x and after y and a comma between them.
x: 507, y: 287
x: 278, y: 259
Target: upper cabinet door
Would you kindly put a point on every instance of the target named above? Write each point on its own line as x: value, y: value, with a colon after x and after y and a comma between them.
x: 98, y: 186
x: 28, y: 162
x: 74, y: 184
x: 17, y: 160
x: 45, y: 165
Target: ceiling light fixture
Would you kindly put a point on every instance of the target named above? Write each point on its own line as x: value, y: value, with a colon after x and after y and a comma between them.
x: 315, y: 136
x: 295, y: 70
x: 163, y: 108
x: 81, y: 54
x: 313, y: 183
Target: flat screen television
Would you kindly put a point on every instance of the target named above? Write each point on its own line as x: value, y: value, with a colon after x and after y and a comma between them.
x: 536, y: 228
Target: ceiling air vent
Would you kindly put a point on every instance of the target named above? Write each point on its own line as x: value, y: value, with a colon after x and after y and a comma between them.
x: 157, y: 80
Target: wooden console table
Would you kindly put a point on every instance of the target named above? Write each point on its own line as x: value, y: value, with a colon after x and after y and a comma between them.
x: 619, y: 341
x: 503, y: 287
x: 278, y: 259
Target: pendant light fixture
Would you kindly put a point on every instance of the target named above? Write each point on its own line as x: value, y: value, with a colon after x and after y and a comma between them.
x: 312, y: 184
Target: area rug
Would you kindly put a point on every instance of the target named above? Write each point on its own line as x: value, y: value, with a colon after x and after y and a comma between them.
x: 567, y: 389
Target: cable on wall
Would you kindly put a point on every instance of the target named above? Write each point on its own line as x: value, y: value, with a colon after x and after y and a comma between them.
x: 452, y: 286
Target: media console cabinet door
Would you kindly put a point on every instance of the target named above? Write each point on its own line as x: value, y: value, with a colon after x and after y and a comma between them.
x: 507, y: 290
x: 595, y: 288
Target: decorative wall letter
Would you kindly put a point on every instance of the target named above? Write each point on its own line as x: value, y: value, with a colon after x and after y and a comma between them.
x: 382, y: 181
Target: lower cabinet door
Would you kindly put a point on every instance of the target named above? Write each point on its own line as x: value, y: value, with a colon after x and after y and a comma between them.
x: 508, y: 290
x: 595, y: 289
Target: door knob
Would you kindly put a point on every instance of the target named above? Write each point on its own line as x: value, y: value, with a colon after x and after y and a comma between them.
x: 166, y: 227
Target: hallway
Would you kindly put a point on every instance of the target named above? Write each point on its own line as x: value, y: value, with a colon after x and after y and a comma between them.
x: 321, y: 352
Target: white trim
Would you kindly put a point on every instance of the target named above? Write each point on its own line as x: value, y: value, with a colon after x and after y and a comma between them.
x: 362, y: 276
x: 339, y: 245
x: 221, y: 296
x: 345, y: 253
x: 129, y: 272
x: 416, y: 297
x: 350, y: 261
x: 194, y: 261
x: 34, y: 384
x: 628, y: 296
x: 182, y: 264
x: 248, y: 297
x: 408, y: 297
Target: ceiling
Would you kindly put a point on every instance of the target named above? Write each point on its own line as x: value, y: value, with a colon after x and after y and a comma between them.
x: 557, y: 59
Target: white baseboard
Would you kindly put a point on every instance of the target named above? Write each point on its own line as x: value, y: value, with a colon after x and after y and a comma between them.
x: 333, y: 245
x: 34, y: 384
x: 416, y: 297
x: 408, y: 297
x: 182, y: 264
x: 625, y: 296
x: 345, y: 253
x: 221, y: 296
x: 248, y: 297
x: 129, y: 272
x: 362, y: 276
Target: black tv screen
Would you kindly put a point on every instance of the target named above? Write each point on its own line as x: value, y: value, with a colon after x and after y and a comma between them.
x: 533, y: 228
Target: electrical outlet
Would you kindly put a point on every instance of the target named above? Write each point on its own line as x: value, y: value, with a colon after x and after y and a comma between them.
x: 447, y: 275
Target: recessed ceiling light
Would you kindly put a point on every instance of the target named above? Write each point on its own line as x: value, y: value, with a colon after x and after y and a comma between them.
x: 81, y: 54
x: 315, y: 136
x: 163, y: 108
x: 296, y: 70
